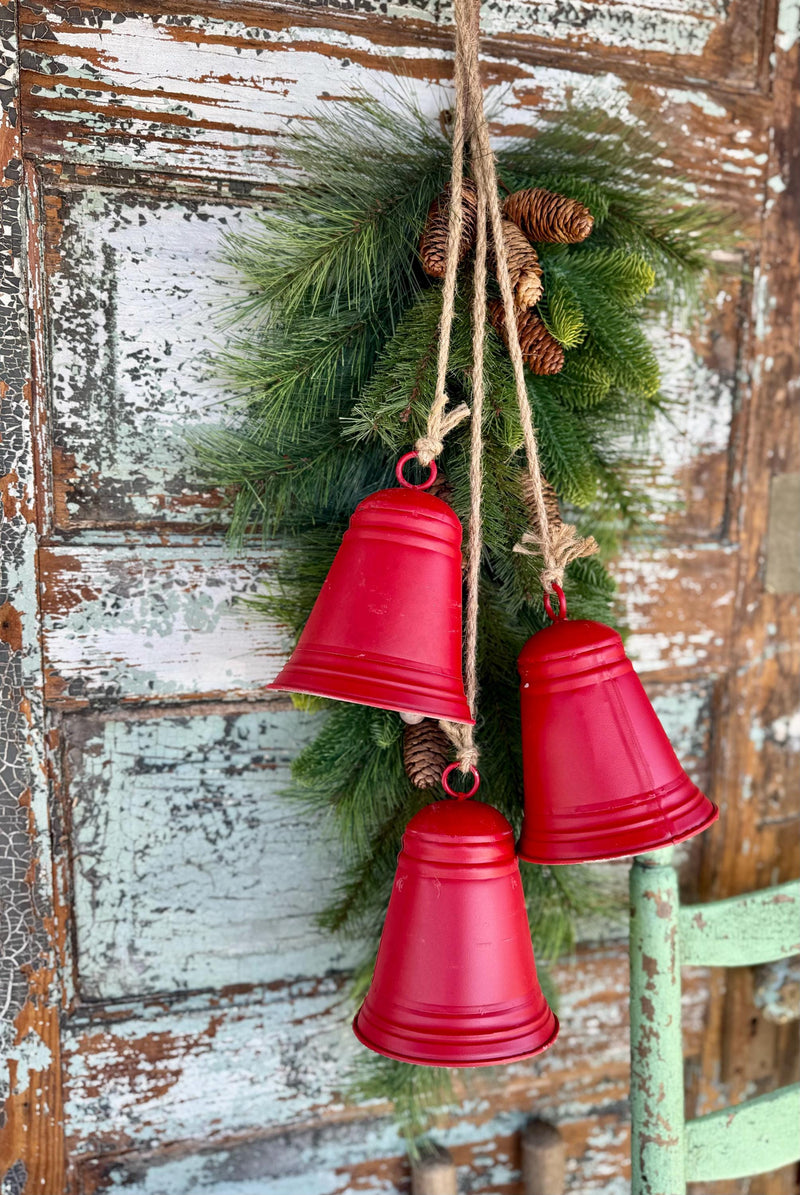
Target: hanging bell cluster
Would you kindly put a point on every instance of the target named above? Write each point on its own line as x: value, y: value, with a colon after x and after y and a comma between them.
x: 455, y: 980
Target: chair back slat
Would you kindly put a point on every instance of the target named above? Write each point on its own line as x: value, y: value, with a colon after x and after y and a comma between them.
x: 742, y: 931
x: 751, y: 1138
x: 755, y: 1136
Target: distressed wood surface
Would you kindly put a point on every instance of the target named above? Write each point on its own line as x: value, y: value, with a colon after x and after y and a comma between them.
x: 711, y: 42
x: 147, y: 134
x: 137, y: 294
x: 136, y: 290
x: 200, y: 1068
x: 179, y: 829
x: 658, y: 1163
x: 137, y: 622
x: 220, y: 92
x: 756, y: 748
x: 31, y: 1141
x: 179, y: 832
x: 758, y: 927
x: 755, y: 1136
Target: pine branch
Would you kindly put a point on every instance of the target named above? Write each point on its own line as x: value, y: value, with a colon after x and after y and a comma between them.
x: 330, y: 364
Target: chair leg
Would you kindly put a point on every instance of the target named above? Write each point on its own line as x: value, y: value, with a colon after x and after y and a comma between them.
x: 657, y: 1101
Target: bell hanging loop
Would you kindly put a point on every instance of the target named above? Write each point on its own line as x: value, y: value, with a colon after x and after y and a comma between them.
x: 410, y: 485
x: 452, y: 792
x: 562, y: 603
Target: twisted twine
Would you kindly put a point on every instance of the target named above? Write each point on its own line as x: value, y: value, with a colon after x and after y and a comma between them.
x: 558, y: 543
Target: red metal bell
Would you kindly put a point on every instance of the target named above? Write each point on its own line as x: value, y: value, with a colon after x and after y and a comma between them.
x: 385, y: 630
x: 455, y: 982
x: 601, y: 778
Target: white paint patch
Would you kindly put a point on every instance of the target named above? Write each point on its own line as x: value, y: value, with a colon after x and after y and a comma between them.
x: 788, y: 29
x: 30, y: 1055
x: 698, y: 99
x: 156, y: 622
x: 191, y: 869
x: 134, y: 311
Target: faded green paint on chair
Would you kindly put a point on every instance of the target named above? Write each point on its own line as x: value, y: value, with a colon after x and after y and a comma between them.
x: 750, y: 1138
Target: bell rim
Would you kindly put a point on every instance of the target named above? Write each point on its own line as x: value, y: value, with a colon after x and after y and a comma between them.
x: 275, y: 687
x: 498, y: 1060
x: 669, y: 840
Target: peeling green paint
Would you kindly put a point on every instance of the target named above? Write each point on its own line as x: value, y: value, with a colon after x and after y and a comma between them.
x: 191, y: 871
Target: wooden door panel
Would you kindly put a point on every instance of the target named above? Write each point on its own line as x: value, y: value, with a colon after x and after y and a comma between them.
x: 179, y: 833
x: 213, y: 1070
x: 711, y: 42
x: 136, y: 621
x: 204, y: 1022
x: 134, y: 290
x: 221, y: 91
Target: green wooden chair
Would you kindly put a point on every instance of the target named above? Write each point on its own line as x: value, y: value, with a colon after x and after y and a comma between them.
x: 761, y: 1134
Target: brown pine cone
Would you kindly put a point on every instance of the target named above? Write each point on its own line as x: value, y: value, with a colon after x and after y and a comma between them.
x: 541, y: 352
x: 441, y: 488
x: 433, y: 243
x: 546, y: 216
x: 426, y: 753
x: 550, y: 502
x: 523, y: 265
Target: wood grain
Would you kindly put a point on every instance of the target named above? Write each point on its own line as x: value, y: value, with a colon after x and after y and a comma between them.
x: 149, y: 132
x: 281, y: 1057
x: 31, y: 1121
x: 756, y: 758
x: 221, y: 92
x: 137, y: 622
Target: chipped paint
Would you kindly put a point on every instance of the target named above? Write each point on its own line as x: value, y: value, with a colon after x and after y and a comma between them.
x: 784, y: 731
x: 30, y: 1129
x: 691, y: 588
x: 667, y: 29
x: 788, y: 29
x: 149, y: 622
x: 221, y: 95
x: 190, y: 870
x: 201, y: 1066
x: 135, y: 299
x: 29, y: 1054
x: 701, y: 100
x: 178, y: 832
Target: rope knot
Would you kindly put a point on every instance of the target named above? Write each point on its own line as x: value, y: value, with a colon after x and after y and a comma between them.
x: 559, y: 547
x: 428, y: 448
x: 431, y: 444
x: 460, y: 735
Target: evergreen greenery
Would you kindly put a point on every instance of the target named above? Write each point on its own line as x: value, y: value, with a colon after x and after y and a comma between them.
x: 332, y: 358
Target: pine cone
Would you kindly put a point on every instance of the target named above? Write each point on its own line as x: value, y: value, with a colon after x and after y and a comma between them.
x: 433, y: 243
x: 426, y: 753
x: 523, y: 265
x: 441, y: 488
x: 546, y: 216
x: 541, y: 352
x: 550, y: 502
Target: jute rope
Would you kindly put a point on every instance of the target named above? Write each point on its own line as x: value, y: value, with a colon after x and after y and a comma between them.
x: 557, y: 542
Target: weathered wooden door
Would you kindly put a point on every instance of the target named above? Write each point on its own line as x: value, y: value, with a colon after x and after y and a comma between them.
x: 173, y: 1019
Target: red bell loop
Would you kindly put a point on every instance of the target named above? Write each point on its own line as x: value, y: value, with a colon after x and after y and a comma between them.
x: 425, y: 485
x: 451, y: 792
x: 562, y: 604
